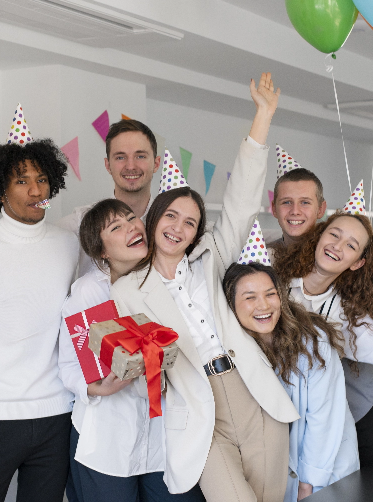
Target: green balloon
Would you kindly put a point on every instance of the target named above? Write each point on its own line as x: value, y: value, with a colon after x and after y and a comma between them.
x: 325, y: 24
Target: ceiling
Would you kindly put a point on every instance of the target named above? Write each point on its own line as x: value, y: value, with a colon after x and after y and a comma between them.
x: 198, y: 53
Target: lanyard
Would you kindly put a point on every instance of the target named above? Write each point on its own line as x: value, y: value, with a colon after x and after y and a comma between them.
x: 330, y: 306
x: 322, y: 306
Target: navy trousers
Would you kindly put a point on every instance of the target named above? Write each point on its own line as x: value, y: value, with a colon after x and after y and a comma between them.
x: 87, y: 485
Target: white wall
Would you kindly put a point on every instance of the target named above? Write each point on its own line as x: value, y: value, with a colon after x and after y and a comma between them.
x: 62, y: 102
x: 216, y: 138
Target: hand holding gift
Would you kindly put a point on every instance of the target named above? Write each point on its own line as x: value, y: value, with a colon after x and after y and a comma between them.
x: 133, y: 344
x: 108, y: 386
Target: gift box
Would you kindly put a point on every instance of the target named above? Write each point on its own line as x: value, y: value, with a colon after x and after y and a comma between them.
x: 78, y: 325
x: 133, y: 345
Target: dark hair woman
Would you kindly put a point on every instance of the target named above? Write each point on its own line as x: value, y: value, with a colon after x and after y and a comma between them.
x: 105, y: 463
x: 220, y: 373
x: 303, y: 349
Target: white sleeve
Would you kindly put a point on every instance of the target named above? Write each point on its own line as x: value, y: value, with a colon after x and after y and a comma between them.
x: 325, y: 418
x: 242, y: 201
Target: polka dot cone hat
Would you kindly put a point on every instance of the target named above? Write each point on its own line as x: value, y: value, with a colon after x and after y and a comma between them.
x: 356, y: 203
x: 19, y: 132
x: 171, y: 176
x: 285, y: 163
x: 255, y: 250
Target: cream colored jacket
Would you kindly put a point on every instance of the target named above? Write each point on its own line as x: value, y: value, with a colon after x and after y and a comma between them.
x: 189, y: 415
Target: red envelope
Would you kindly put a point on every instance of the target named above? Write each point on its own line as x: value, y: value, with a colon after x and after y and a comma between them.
x: 78, y: 326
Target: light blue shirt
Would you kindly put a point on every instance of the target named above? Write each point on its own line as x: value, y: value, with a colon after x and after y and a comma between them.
x: 323, y: 442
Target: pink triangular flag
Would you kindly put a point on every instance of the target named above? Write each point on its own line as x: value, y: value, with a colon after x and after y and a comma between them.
x: 270, y: 197
x: 101, y: 124
x: 71, y: 150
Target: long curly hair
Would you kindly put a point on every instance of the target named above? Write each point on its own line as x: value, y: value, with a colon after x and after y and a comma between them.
x: 355, y: 287
x: 44, y: 156
x: 296, y: 331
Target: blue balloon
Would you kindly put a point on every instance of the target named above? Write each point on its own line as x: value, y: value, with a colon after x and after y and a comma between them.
x: 365, y: 7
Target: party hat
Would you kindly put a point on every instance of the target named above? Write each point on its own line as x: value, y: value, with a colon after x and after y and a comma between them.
x: 285, y: 162
x: 356, y: 203
x: 171, y: 176
x: 19, y: 132
x: 255, y: 250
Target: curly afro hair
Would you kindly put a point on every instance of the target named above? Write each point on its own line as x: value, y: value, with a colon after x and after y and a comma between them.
x: 44, y: 156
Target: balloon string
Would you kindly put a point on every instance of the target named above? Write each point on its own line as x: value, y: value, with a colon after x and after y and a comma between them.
x: 329, y: 69
x: 370, y: 198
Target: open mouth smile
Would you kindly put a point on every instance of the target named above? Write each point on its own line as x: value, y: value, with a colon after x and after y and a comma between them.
x: 331, y: 255
x: 171, y: 238
x: 138, y: 239
x: 264, y: 318
x: 131, y: 176
x: 295, y: 222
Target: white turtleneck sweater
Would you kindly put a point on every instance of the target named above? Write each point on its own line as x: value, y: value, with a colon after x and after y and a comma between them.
x: 37, y: 265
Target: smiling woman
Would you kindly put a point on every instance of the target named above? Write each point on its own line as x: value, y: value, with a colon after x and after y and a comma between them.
x: 216, y: 414
x: 303, y: 348
x: 331, y: 268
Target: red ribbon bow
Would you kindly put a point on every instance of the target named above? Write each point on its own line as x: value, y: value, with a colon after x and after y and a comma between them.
x: 149, y: 338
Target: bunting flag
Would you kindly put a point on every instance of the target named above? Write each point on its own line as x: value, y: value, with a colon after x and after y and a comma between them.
x: 208, y: 170
x: 101, y: 124
x: 228, y: 175
x: 71, y: 150
x: 185, y: 161
x: 270, y: 197
x: 124, y: 117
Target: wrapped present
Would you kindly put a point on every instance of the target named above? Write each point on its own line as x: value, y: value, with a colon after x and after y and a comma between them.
x: 133, y: 345
x: 78, y: 326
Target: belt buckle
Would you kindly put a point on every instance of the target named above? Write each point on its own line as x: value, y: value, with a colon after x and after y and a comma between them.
x: 212, y: 369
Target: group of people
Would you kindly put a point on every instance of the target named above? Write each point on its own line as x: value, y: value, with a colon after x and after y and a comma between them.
x: 255, y: 407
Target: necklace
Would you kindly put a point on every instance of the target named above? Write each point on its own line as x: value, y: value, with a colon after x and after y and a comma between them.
x: 313, y: 294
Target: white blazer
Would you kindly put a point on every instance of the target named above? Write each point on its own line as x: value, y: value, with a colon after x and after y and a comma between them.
x: 189, y: 416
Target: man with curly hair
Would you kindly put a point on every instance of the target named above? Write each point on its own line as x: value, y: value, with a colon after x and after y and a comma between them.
x: 131, y: 160
x: 38, y: 261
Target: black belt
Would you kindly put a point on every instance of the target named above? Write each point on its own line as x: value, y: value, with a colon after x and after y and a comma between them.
x: 219, y: 365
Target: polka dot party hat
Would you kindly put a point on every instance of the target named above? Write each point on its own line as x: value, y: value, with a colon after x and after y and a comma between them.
x: 255, y: 249
x: 356, y: 203
x: 171, y: 176
x: 19, y: 132
x: 285, y: 163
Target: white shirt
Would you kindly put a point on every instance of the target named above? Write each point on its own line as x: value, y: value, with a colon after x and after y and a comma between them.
x: 117, y: 437
x: 359, y: 388
x: 189, y: 290
x: 364, y: 334
x: 72, y: 222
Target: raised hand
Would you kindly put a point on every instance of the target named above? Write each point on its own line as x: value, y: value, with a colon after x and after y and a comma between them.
x: 264, y: 96
x: 266, y: 100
